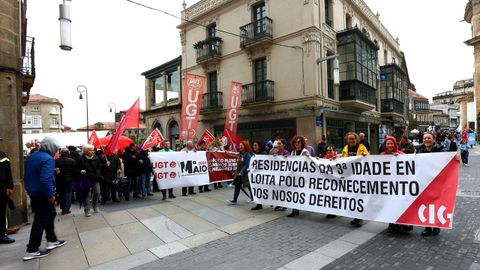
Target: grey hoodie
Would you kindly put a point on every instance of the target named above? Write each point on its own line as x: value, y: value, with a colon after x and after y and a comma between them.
x: 50, y: 144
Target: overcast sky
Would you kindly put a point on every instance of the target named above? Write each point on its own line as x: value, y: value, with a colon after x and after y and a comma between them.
x: 114, y: 41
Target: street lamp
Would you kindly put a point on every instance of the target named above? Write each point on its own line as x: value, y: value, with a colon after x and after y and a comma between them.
x: 336, y: 69
x: 81, y: 89
x: 114, y: 106
x: 65, y: 27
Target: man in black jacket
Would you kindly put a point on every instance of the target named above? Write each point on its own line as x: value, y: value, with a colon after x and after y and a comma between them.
x: 112, y: 168
x: 6, y: 190
x: 90, y: 172
x: 65, y: 168
x: 131, y: 165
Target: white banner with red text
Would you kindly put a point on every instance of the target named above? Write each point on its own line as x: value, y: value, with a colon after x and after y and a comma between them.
x: 405, y: 189
x: 184, y: 169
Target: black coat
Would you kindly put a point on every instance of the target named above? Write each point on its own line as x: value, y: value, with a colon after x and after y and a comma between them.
x: 110, y: 172
x: 146, y: 166
x: 422, y: 149
x: 68, y: 170
x: 131, y: 164
x: 92, y: 167
x: 321, y: 149
x: 6, y: 180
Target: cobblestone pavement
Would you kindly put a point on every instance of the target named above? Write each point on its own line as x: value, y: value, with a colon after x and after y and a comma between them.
x: 458, y: 248
x: 274, y: 244
x: 268, y: 246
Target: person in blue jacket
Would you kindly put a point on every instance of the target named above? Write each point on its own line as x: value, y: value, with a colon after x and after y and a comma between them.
x: 39, y: 183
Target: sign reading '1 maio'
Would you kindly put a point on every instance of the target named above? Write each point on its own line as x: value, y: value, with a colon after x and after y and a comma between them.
x: 404, y: 189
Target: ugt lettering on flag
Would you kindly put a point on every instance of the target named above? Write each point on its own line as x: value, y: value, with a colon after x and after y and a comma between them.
x: 191, y: 101
x: 154, y: 139
x: 233, y: 105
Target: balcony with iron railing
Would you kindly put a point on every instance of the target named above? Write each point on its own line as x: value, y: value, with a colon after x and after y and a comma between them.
x: 208, y: 50
x: 212, y: 101
x: 259, y: 92
x: 356, y: 96
x: 256, y: 32
x: 391, y: 107
x: 28, y: 68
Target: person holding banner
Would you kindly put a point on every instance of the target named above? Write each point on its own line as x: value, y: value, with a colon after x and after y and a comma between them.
x: 330, y: 152
x: 353, y: 148
x: 299, y: 149
x: 429, y: 146
x: 166, y: 148
x: 391, y: 148
x: 216, y: 146
x: 258, y: 150
x: 279, y: 149
x: 189, y: 146
x: 241, y: 174
x: 202, y: 146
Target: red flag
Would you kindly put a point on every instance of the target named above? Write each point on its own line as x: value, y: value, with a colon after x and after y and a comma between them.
x: 207, y: 137
x: 191, y: 101
x: 130, y: 119
x: 230, y: 138
x: 132, y: 115
x: 93, y: 140
x: 233, y: 106
x: 155, y: 138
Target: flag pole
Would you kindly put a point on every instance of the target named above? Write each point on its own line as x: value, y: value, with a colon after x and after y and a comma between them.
x: 138, y: 125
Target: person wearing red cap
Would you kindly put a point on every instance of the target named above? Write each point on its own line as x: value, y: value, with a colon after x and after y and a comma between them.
x: 391, y: 148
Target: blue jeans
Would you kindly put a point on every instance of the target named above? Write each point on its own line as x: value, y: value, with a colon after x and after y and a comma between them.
x: 133, y: 184
x: 43, y: 220
x: 66, y: 197
x: 142, y: 179
x: 148, y: 183
x: 464, y: 155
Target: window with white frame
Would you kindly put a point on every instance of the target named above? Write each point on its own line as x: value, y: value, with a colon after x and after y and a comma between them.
x: 54, y: 123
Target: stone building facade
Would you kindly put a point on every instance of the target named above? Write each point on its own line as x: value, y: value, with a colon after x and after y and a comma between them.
x: 272, y: 48
x: 42, y: 115
x: 472, y: 16
x: 461, y: 98
x: 17, y: 75
x: 163, y: 88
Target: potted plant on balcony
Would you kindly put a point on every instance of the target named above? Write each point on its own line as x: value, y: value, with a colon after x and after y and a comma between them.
x: 199, y: 44
x: 213, y: 40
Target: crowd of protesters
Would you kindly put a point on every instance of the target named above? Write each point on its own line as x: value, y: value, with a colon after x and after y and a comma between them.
x: 94, y: 178
x: 356, y: 145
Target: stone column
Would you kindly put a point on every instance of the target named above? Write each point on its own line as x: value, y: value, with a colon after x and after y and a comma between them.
x: 463, y: 113
x: 11, y: 85
x: 472, y: 16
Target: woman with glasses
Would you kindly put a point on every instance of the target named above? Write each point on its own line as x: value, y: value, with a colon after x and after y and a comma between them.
x: 353, y: 148
x: 299, y: 149
x: 331, y: 153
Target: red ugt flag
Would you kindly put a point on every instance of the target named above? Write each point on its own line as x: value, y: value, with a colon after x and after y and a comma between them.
x: 207, y: 137
x: 233, y: 105
x: 130, y: 119
x: 93, y: 140
x: 155, y: 138
x: 230, y: 138
x: 191, y: 101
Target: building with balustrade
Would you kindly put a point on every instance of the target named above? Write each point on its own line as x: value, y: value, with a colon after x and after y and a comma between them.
x: 17, y: 75
x: 272, y: 48
x: 42, y: 115
x: 461, y: 98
